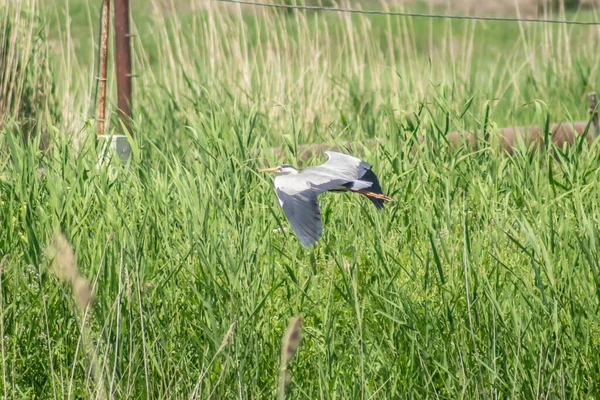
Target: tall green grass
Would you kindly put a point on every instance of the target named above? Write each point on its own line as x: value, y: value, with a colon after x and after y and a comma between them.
x: 481, y: 280
x: 27, y: 86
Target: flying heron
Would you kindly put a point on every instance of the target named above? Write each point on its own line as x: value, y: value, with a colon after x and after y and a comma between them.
x: 298, y: 190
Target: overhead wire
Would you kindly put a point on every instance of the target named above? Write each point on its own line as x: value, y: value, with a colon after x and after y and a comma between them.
x: 411, y: 14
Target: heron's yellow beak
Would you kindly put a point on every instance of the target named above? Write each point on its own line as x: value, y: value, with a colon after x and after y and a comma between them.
x: 268, y: 170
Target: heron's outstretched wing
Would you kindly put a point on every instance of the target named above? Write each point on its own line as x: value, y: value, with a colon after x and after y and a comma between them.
x: 302, y: 211
x: 357, y: 171
x: 298, y: 194
x: 349, y: 167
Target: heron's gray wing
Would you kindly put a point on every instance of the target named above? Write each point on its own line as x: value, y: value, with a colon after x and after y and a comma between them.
x: 347, y: 166
x: 302, y: 211
x: 297, y: 195
x: 342, y: 167
x: 356, y: 170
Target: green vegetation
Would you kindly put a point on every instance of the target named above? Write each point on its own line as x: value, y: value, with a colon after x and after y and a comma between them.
x: 480, y: 280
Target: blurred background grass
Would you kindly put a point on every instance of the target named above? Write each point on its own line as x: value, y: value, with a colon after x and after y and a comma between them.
x: 182, y: 47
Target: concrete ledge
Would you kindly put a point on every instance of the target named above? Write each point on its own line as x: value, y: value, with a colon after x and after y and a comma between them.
x: 115, y: 144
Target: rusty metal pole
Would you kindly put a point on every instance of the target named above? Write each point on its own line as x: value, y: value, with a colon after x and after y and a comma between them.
x: 123, y: 61
x: 102, y: 60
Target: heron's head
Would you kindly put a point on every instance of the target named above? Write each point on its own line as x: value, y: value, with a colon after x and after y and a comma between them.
x: 281, y: 170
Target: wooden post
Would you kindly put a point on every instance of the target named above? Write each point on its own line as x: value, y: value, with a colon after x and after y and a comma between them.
x: 123, y: 60
x: 594, y: 113
x: 103, y: 58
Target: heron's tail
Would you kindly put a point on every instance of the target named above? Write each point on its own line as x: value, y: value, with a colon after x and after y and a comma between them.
x: 373, y: 191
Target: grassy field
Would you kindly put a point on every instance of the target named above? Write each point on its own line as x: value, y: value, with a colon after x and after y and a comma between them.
x: 480, y: 281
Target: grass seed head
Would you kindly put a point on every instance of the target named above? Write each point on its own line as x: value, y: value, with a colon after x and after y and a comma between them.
x: 65, y: 267
x: 3, y: 263
x: 61, y: 252
x: 291, y: 340
x: 289, y: 344
x: 226, y: 338
x: 82, y: 291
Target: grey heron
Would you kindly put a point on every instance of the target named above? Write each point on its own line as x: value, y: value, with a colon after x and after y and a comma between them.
x: 298, y: 190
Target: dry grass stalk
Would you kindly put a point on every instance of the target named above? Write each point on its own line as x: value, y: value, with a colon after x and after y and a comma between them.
x: 23, y: 54
x: 62, y: 254
x: 127, y: 286
x: 289, y: 344
x: 65, y: 267
x: 5, y: 384
x: 224, y: 342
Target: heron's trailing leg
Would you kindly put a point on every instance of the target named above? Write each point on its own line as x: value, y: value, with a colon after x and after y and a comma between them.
x: 375, y: 195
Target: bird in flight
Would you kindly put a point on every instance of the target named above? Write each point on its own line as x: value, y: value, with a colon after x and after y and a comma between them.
x: 298, y: 190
